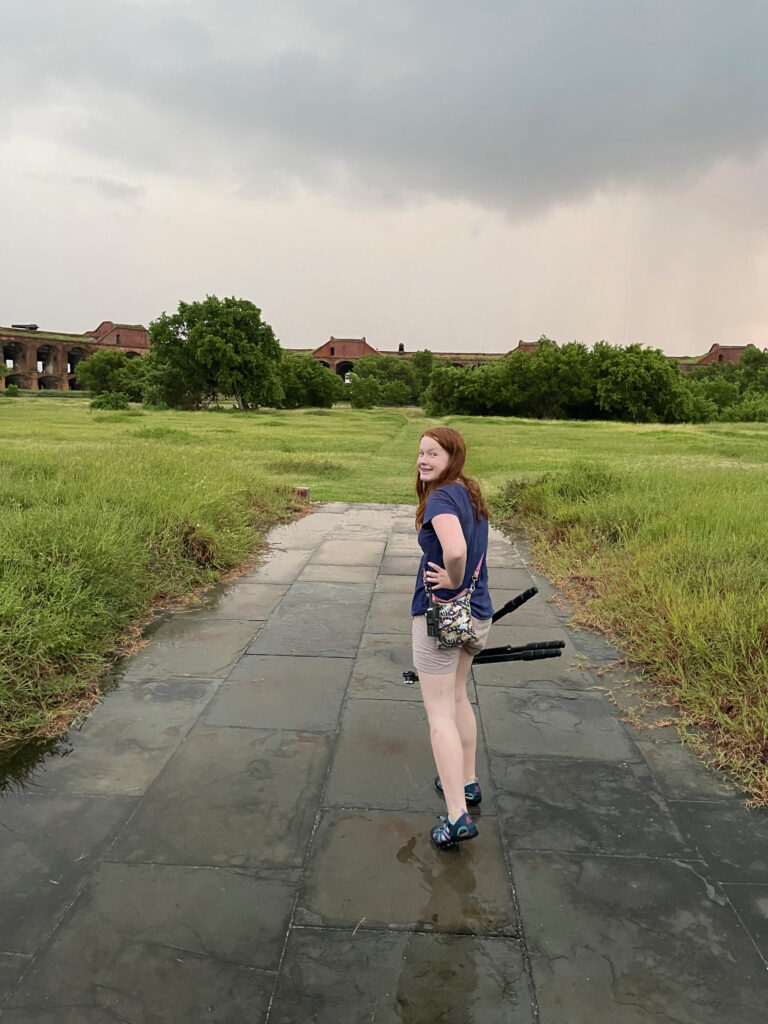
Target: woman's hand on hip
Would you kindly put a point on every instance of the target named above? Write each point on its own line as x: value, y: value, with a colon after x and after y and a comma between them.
x: 437, y: 577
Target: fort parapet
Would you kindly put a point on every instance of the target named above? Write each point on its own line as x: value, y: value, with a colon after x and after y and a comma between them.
x: 41, y: 360
x: 341, y: 354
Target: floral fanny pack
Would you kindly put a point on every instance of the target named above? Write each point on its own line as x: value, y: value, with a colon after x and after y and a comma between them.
x: 450, y: 620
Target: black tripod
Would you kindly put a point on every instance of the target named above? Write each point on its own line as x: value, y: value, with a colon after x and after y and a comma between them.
x: 523, y: 652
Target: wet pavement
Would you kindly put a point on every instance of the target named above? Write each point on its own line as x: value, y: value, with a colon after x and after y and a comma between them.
x: 239, y: 832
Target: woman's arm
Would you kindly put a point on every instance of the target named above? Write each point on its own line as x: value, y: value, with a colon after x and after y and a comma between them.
x: 451, y: 537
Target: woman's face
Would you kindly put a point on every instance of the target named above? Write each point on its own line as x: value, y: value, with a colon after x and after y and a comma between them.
x: 433, y: 459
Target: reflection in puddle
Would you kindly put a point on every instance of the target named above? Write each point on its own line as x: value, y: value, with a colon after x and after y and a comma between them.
x: 439, y: 978
x: 18, y: 764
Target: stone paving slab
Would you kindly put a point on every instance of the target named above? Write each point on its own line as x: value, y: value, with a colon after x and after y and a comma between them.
x: 239, y: 832
x: 635, y: 941
x: 560, y: 803
x: 280, y: 566
x: 734, y: 847
x: 680, y: 776
x: 12, y: 967
x: 394, y: 584
x: 399, y: 565
x: 563, y: 673
x: 403, y: 546
x: 50, y: 843
x: 534, y: 613
x: 316, y: 619
x: 179, y: 986
x: 281, y: 692
x: 378, y: 669
x: 751, y: 904
x: 390, y: 977
x: 398, y: 879
x: 381, y: 760
x: 350, y: 552
x: 231, y: 797
x: 128, y: 738
x: 189, y: 644
x: 567, y: 724
x: 389, y: 613
x: 324, y: 573
x: 245, y: 601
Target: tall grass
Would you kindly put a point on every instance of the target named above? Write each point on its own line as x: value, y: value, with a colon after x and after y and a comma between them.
x: 91, y: 536
x: 673, y: 563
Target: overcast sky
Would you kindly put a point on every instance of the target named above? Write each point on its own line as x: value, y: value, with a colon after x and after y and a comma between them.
x: 449, y: 175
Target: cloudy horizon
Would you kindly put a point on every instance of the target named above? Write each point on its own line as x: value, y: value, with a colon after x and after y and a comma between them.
x: 454, y: 177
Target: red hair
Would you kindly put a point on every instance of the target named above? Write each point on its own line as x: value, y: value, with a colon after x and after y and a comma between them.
x: 452, y: 442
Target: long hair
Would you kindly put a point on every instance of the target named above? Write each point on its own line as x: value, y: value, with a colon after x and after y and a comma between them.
x: 453, y: 443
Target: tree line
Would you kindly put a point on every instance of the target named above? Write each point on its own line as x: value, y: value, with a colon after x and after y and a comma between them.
x: 607, y: 382
x: 222, y: 349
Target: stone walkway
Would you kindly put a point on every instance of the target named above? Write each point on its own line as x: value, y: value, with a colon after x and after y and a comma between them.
x: 239, y: 833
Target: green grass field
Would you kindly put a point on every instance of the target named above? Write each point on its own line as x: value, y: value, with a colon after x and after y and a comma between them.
x: 658, y: 533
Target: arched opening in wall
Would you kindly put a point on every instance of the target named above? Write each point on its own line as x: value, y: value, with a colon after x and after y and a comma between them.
x: 45, y: 359
x: 13, y: 355
x: 47, y: 384
x: 75, y: 356
x: 18, y: 379
x: 132, y: 355
x: 73, y: 384
x: 323, y: 363
x: 344, y: 366
x: 457, y: 365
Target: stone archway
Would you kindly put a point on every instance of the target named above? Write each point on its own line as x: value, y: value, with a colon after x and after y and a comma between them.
x: 47, y: 360
x: 344, y: 366
x: 74, y: 357
x: 15, y: 356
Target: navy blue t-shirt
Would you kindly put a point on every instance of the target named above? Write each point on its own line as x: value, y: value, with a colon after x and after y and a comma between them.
x: 454, y: 500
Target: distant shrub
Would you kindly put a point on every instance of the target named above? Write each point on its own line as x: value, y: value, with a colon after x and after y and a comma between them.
x: 12, y: 390
x: 752, y: 408
x: 110, y: 400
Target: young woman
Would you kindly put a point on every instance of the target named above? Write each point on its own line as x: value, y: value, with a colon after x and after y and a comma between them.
x: 452, y: 520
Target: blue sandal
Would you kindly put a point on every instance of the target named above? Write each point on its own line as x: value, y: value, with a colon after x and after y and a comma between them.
x: 447, y: 835
x: 472, y: 793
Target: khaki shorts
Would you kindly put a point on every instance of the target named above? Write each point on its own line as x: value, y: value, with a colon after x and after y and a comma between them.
x: 437, y: 661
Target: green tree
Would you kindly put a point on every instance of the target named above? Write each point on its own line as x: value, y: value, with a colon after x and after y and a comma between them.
x: 443, y: 396
x: 105, y: 370
x: 395, y: 392
x: 364, y: 392
x: 389, y: 369
x: 422, y: 364
x: 211, y: 348
x: 753, y: 369
x: 639, y: 384
x: 716, y: 390
x: 306, y: 382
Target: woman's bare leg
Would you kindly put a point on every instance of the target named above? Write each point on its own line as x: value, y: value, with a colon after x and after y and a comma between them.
x: 466, y: 723
x: 438, y: 692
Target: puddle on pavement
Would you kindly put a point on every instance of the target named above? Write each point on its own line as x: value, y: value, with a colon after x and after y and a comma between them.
x: 19, y: 764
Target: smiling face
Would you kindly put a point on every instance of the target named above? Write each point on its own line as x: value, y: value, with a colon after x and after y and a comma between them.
x: 433, y: 459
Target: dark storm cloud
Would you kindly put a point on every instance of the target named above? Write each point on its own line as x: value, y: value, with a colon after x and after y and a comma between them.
x: 510, y: 103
